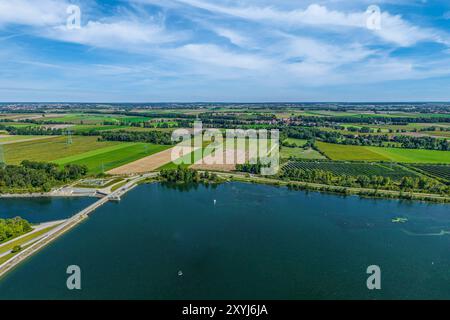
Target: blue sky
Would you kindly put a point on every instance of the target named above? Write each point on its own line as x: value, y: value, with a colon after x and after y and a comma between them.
x: 224, y: 50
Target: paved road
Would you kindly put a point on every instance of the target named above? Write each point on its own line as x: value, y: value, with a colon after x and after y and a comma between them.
x: 36, y: 228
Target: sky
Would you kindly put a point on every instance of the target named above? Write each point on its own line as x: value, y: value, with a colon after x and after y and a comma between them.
x: 224, y: 50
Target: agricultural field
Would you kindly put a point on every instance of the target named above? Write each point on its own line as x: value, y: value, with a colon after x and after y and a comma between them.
x: 83, y: 128
x: 7, y: 139
x: 300, y: 153
x: 18, y: 124
x: 298, y: 142
x: 353, y: 153
x: 438, y: 171
x: 92, y: 119
x: 362, y: 153
x: 152, y: 162
x: 51, y: 149
x: 393, y: 171
x: 103, y: 160
x: 413, y: 155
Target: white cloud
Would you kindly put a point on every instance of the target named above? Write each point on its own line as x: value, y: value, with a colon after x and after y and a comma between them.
x: 214, y: 55
x: 394, y: 28
x: 115, y: 34
x: 233, y: 36
x: 314, y: 50
x: 33, y: 13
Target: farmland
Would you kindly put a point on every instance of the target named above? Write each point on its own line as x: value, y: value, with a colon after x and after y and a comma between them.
x: 16, y: 139
x: 91, y: 119
x: 358, y: 153
x: 387, y: 141
x: 354, y: 153
x: 51, y: 149
x: 106, y: 159
x: 438, y: 171
x: 296, y: 142
x: 393, y: 171
x: 300, y: 153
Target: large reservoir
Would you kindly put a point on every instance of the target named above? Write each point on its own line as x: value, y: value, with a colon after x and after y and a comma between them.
x: 237, y: 241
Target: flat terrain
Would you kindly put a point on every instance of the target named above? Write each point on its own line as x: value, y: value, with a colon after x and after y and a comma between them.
x: 51, y: 149
x: 149, y: 163
x: 7, y: 139
x: 362, y: 153
x: 338, y: 168
x: 300, y: 153
x: 102, y: 160
x: 298, y: 142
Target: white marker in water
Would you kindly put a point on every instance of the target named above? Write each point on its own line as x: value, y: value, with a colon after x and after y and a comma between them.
x: 215, y: 201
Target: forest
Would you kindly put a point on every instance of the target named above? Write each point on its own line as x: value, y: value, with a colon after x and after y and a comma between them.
x: 185, y: 175
x: 156, y: 137
x: 11, y: 228
x: 32, y: 176
x: 407, y: 142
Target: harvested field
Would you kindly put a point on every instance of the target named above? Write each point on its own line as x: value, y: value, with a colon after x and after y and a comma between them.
x: 209, y: 162
x: 152, y: 162
x: 234, y: 153
x: 6, y: 139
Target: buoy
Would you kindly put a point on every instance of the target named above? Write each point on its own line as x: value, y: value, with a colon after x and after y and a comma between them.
x: 215, y: 201
x: 180, y: 273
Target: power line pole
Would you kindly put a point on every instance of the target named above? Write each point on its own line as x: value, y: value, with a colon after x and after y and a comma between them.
x: 69, y: 137
x: 2, y: 156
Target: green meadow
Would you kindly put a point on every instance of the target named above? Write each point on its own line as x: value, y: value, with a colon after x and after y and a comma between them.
x: 300, y: 153
x: 51, y: 149
x: 93, y: 119
x: 105, y: 159
x: 362, y: 153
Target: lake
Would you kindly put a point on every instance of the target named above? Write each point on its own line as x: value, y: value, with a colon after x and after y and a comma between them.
x: 254, y: 242
x: 37, y: 210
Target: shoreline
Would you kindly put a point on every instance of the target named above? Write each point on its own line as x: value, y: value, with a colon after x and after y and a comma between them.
x: 297, y: 185
x: 43, y: 195
x: 361, y: 192
x: 76, y: 219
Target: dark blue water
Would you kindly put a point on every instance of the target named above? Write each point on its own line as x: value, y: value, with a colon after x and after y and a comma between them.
x: 257, y: 242
x: 37, y: 210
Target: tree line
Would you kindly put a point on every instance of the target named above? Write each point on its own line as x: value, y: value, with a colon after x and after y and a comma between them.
x: 419, y: 184
x: 407, y: 142
x: 156, y: 137
x: 187, y: 176
x: 32, y: 176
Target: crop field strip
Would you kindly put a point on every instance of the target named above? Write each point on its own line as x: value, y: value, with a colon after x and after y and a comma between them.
x: 438, y: 171
x: 7, y: 139
x: 93, y: 119
x: 393, y: 171
x: 365, y: 153
x: 109, y: 158
x: 52, y: 149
